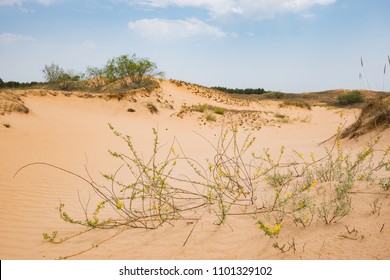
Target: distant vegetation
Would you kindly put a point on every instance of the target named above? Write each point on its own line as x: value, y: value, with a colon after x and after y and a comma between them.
x: 132, y: 71
x: 13, y: 84
x: 352, y: 97
x: 124, y: 66
x: 241, y: 91
x: 55, y: 74
x: 275, y: 95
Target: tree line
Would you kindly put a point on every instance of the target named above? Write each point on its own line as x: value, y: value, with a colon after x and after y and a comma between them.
x: 241, y: 91
x: 138, y: 70
x: 14, y: 84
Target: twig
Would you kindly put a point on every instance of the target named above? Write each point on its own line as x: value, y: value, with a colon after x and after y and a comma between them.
x: 188, y: 237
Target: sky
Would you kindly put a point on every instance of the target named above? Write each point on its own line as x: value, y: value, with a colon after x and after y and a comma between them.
x: 279, y: 45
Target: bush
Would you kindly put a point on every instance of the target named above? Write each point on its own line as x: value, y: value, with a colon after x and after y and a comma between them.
x: 296, y: 103
x: 219, y: 111
x: 55, y: 74
x: 374, y: 115
x: 210, y: 117
x: 137, y: 69
x: 352, y: 97
x: 275, y: 95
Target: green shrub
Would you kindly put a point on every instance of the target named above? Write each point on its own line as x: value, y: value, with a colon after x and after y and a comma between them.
x: 352, y: 97
x: 210, y: 117
x: 275, y: 95
x: 219, y: 111
x: 201, y: 108
x: 137, y: 69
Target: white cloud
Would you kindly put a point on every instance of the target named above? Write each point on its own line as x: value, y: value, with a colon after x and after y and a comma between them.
x: 258, y: 9
x: 20, y: 2
x: 156, y: 28
x: 88, y: 44
x: 10, y: 38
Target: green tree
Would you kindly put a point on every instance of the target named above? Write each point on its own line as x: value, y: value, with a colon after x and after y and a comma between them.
x: 137, y: 69
x: 1, y: 83
x: 55, y: 74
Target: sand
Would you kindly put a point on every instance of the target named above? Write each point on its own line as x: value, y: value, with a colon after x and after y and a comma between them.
x: 71, y: 131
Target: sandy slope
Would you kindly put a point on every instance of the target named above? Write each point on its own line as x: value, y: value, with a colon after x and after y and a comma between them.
x: 72, y: 132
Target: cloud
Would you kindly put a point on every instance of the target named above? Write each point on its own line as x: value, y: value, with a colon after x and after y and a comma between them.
x: 88, y: 44
x: 156, y: 28
x: 10, y: 38
x: 20, y: 2
x: 243, y: 8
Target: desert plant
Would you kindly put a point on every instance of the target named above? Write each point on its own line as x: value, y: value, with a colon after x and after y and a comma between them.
x: 374, y: 115
x: 232, y: 181
x: 210, y: 117
x: 275, y: 95
x: 296, y: 103
x: 200, y: 108
x: 55, y: 74
x: 137, y: 69
x: 152, y: 108
x: 376, y: 207
x: 385, y: 184
x: 352, y: 97
x: 219, y: 111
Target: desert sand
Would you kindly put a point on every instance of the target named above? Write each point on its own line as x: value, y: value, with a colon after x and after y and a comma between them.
x: 70, y: 130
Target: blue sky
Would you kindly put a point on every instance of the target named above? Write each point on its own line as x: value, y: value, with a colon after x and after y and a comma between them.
x: 286, y: 45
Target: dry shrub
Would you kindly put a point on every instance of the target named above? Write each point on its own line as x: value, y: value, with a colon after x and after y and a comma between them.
x: 152, y: 108
x: 374, y: 115
x: 296, y: 103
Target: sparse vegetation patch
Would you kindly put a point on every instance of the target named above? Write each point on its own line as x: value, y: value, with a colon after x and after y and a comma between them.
x: 274, y: 190
x: 350, y: 98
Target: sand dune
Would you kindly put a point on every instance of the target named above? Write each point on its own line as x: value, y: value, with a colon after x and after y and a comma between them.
x: 71, y: 131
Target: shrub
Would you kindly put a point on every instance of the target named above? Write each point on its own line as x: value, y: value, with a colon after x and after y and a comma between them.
x: 296, y: 103
x: 219, y: 111
x: 275, y: 95
x: 210, y: 117
x: 137, y: 69
x: 200, y: 108
x: 272, y: 189
x: 61, y: 79
x: 352, y: 97
x: 152, y: 108
x: 374, y: 115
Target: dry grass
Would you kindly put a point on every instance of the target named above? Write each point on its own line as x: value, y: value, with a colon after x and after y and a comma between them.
x: 296, y: 103
x: 152, y: 108
x: 374, y: 115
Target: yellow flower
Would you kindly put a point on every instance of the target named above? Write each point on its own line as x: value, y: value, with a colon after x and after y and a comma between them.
x: 119, y: 204
x: 288, y: 195
x: 277, y: 228
x: 313, y: 184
